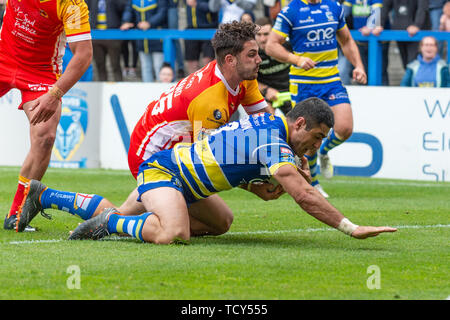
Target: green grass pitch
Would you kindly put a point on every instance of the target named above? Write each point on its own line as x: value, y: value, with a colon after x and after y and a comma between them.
x: 273, y: 251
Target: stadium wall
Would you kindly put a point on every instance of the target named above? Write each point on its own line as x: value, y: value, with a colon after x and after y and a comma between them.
x: 401, y: 133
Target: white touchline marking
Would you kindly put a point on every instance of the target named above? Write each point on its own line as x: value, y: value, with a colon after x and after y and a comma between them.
x: 396, y: 183
x: 332, y: 229
x: 307, y: 230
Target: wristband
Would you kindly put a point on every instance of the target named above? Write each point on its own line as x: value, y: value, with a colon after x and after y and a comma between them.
x: 347, y: 227
x: 56, y: 92
x: 249, y: 187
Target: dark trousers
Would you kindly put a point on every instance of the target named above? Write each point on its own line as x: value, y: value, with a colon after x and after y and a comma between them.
x: 408, y: 51
x: 111, y: 48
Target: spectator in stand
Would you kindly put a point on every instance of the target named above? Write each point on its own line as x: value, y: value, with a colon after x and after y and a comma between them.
x: 2, y: 10
x: 145, y: 15
x: 363, y: 14
x: 106, y: 14
x: 444, y: 24
x: 273, y: 7
x: 232, y: 10
x: 409, y: 15
x: 129, y: 46
x: 428, y: 70
x: 435, y: 9
x: 199, y: 16
x: 172, y: 21
x: 248, y: 16
x: 273, y: 75
x: 166, y: 74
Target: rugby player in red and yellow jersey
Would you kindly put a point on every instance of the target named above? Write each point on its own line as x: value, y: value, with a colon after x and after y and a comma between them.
x: 204, y: 100
x: 32, y: 41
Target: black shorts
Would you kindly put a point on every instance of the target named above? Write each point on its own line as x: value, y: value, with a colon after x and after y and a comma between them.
x: 193, y: 49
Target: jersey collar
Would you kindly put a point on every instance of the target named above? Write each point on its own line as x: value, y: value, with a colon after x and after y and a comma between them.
x: 219, y: 74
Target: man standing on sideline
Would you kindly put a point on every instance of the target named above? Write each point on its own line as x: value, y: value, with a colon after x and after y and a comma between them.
x: 32, y: 42
x: 314, y: 28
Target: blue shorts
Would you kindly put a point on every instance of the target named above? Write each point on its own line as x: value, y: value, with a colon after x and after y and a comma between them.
x: 332, y: 93
x: 160, y: 170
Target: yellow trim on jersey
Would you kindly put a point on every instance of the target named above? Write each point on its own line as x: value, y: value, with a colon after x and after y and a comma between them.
x: 320, y: 56
x: 314, y: 81
x: 277, y: 166
x: 184, y: 156
x: 215, y: 174
x: 286, y: 127
x: 194, y: 17
x: 176, y: 152
x: 284, y: 35
x: 315, y: 72
x: 144, y: 9
x: 156, y: 174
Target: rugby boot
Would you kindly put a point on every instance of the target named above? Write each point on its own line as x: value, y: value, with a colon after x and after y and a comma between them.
x: 31, y: 206
x: 94, y: 228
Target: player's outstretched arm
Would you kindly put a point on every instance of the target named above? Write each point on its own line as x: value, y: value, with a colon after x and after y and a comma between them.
x: 310, y: 200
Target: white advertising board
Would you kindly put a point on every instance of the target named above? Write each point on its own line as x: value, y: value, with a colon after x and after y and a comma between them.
x: 401, y: 133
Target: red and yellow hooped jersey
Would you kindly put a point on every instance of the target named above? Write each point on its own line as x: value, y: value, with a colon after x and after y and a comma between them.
x: 34, y: 32
x: 201, y: 101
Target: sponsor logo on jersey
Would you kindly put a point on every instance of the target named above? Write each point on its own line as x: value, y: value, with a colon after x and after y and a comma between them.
x: 217, y: 114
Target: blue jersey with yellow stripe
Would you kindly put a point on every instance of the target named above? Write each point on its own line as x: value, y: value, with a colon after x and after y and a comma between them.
x: 312, y: 29
x: 240, y: 152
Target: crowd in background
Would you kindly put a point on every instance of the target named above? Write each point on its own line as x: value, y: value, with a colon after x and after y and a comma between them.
x: 143, y: 60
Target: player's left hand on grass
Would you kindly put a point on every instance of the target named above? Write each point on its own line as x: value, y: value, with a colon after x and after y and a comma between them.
x: 43, y: 108
x: 363, y: 232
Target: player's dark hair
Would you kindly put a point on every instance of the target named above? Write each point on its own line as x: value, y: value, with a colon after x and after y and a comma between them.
x: 230, y: 38
x: 315, y: 111
x: 263, y: 21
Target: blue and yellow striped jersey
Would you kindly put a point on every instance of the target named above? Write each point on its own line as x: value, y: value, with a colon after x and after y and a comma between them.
x: 240, y: 152
x: 311, y: 29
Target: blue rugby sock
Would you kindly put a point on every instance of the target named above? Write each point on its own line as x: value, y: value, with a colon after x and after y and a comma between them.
x: 330, y: 142
x: 80, y: 204
x: 312, y: 161
x: 131, y: 225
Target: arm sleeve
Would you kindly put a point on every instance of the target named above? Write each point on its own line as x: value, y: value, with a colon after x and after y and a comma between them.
x: 421, y: 13
x: 387, y: 6
x: 253, y: 100
x: 127, y: 15
x: 75, y: 17
x: 161, y: 15
x: 214, y: 5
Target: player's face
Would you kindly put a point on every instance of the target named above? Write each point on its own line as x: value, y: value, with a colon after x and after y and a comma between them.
x: 303, y: 140
x: 262, y: 36
x: 248, y: 61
